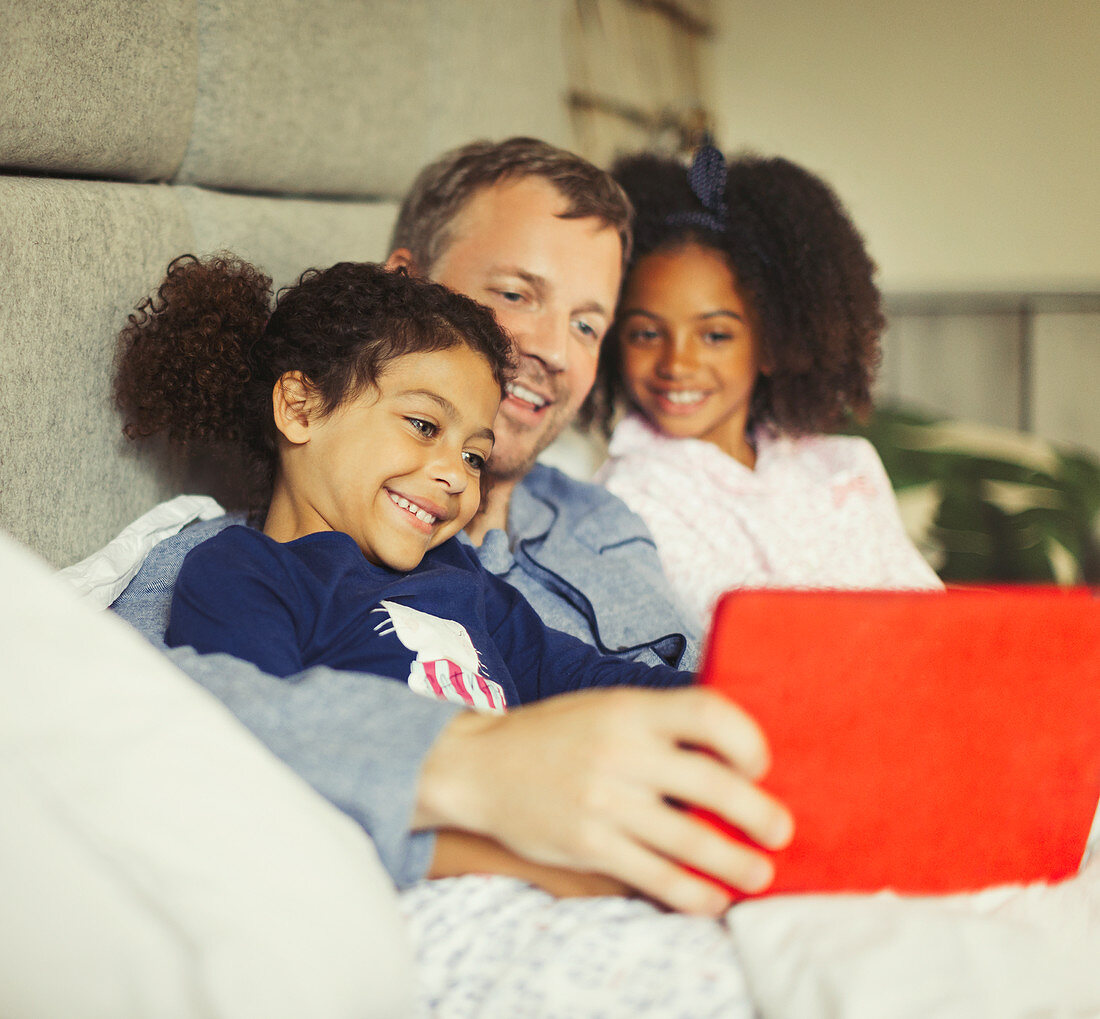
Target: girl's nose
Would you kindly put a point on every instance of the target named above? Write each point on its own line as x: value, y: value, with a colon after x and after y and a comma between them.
x: 677, y: 358
x: 450, y: 471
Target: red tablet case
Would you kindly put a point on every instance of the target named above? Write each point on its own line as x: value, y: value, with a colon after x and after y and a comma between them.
x: 926, y: 742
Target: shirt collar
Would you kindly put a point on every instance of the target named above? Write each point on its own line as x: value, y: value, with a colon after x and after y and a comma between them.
x: 528, y: 515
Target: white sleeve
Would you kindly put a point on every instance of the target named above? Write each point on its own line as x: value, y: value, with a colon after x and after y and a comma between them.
x: 902, y: 564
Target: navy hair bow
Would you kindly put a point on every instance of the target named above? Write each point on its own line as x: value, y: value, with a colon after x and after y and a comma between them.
x: 707, y: 178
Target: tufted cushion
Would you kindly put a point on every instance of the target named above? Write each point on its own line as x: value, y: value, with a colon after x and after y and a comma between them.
x: 76, y: 256
x: 97, y: 88
x: 286, y: 235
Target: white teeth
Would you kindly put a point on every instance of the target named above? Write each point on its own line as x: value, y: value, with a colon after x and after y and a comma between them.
x: 525, y: 394
x: 686, y: 396
x: 416, y: 511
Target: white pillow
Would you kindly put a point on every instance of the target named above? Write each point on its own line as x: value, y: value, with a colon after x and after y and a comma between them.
x: 103, y: 576
x: 155, y: 859
x: 1013, y: 952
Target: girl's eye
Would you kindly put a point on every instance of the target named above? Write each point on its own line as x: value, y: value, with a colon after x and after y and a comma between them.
x: 718, y: 337
x: 425, y: 428
x: 642, y: 337
x: 475, y: 461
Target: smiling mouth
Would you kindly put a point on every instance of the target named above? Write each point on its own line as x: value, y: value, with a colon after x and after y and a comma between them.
x: 684, y: 396
x: 679, y: 401
x: 412, y: 508
x: 528, y: 396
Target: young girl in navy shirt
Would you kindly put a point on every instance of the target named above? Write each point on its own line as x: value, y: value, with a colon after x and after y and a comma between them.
x: 363, y: 406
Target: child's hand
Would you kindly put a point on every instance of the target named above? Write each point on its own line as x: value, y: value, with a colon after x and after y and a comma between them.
x: 584, y: 781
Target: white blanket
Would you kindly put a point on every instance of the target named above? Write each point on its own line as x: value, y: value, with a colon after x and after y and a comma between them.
x: 494, y: 946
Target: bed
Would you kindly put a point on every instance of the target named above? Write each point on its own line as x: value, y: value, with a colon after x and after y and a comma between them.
x: 155, y: 860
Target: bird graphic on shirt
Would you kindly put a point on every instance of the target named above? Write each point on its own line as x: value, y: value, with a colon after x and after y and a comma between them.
x: 447, y: 665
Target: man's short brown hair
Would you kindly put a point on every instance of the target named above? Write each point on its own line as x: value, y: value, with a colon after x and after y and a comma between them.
x: 442, y: 189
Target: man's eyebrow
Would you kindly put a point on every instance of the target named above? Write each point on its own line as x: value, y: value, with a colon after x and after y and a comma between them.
x: 532, y: 279
x: 449, y: 409
x: 540, y: 285
x: 592, y: 306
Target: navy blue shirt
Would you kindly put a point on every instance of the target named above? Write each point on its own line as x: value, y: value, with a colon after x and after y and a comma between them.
x: 448, y: 628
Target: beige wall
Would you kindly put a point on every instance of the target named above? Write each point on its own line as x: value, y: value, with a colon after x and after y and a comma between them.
x: 965, y: 137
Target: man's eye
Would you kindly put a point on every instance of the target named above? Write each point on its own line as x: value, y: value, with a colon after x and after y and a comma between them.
x: 474, y: 460
x: 425, y: 428
x: 510, y: 296
x: 588, y: 331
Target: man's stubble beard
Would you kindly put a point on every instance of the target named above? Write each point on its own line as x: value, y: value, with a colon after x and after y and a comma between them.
x: 512, y: 468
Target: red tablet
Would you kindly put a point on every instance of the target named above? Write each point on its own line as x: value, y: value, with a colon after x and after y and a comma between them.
x: 926, y: 742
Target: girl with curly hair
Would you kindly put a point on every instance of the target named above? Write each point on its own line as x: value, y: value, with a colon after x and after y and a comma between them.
x: 363, y: 404
x: 747, y: 329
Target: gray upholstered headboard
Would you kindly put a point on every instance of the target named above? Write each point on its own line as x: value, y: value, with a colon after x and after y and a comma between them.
x: 283, y: 130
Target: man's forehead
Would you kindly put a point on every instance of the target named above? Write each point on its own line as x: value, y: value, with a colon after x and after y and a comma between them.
x: 510, y: 209
x: 517, y: 225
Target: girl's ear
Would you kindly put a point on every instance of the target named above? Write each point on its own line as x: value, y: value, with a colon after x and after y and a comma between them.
x: 764, y: 362
x: 294, y: 403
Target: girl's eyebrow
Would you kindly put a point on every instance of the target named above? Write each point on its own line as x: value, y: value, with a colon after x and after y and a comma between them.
x: 723, y: 313
x: 717, y: 313
x: 445, y: 405
x: 449, y: 409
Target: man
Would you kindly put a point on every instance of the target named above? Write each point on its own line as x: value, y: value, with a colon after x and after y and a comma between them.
x: 540, y: 235
x: 579, y: 785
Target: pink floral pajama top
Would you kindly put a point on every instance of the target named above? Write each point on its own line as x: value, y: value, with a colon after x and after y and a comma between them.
x: 815, y: 512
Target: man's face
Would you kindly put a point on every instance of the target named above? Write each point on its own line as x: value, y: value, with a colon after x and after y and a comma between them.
x: 552, y: 283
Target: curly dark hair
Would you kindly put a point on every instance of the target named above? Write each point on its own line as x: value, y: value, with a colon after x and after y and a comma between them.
x: 798, y: 263
x: 198, y: 360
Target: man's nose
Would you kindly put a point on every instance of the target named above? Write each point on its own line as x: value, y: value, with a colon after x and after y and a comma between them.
x: 546, y: 339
